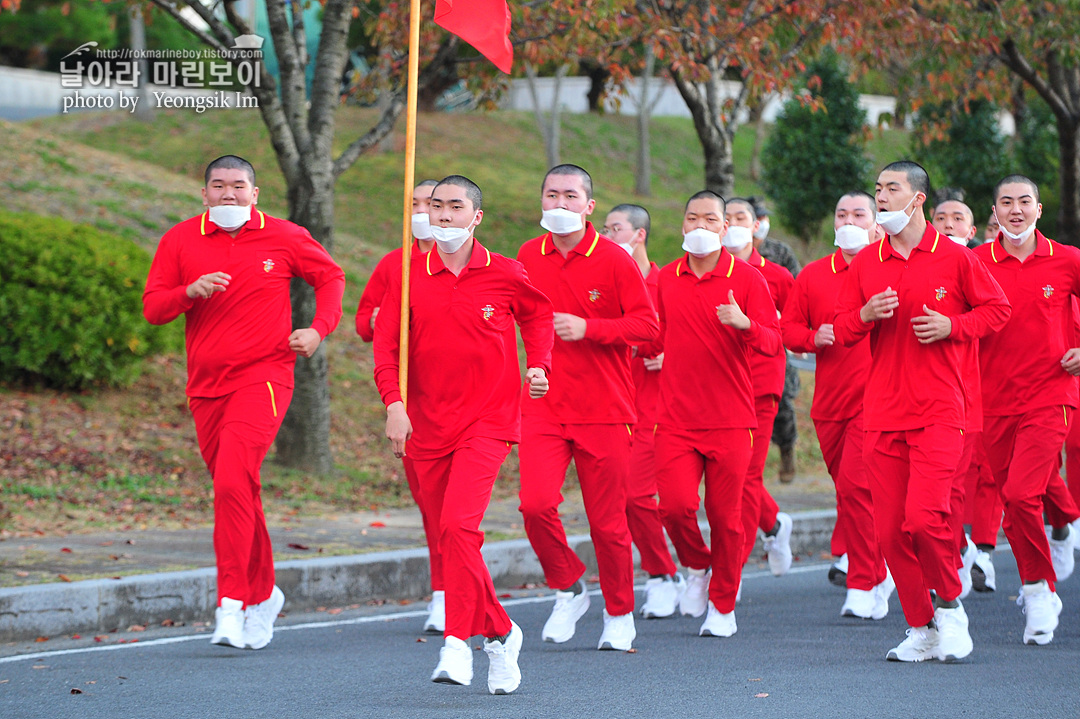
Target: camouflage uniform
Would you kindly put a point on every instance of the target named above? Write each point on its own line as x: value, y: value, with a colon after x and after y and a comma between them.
x: 785, y: 431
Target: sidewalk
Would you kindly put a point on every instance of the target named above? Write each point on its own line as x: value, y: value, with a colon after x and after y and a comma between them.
x: 102, y: 582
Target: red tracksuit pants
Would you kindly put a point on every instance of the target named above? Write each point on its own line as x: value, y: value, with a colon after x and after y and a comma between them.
x: 642, y: 511
x: 722, y: 455
x: 958, y: 496
x: 759, y: 509
x: 235, y: 433
x: 1023, y: 451
x: 601, y: 453
x: 431, y: 525
x: 982, y: 504
x: 1072, y: 461
x: 911, y: 476
x: 842, y: 449
x: 456, y: 489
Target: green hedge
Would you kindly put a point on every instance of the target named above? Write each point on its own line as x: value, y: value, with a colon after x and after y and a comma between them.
x: 71, y: 305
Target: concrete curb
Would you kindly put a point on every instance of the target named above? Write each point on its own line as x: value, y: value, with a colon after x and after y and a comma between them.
x: 105, y: 605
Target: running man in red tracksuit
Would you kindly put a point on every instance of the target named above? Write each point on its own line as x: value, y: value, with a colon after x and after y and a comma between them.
x: 760, y: 510
x: 921, y: 298
x: 601, y: 309
x: 464, y: 409
x: 628, y: 226
x: 837, y: 409
x: 1030, y: 391
x: 366, y: 312
x: 228, y: 272
x: 715, y: 310
x: 980, y: 503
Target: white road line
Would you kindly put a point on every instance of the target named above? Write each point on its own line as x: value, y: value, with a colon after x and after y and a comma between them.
x: 365, y: 620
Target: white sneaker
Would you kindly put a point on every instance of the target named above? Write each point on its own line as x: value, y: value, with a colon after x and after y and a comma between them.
x: 717, y: 624
x: 864, y: 604
x: 569, y: 608
x: 662, y: 596
x: 455, y: 663
x: 696, y: 597
x: 778, y: 546
x: 436, y: 618
x: 229, y: 624
x: 970, y: 552
x: 504, y: 676
x: 1061, y: 555
x: 619, y: 632
x: 921, y: 644
x: 954, y: 639
x: 838, y: 571
x: 259, y: 620
x: 983, y: 576
x: 882, y: 592
x: 1042, y: 608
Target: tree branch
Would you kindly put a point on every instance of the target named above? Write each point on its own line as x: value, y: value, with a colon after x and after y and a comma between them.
x: 1018, y: 63
x: 169, y: 7
x: 330, y: 60
x: 293, y: 90
x: 373, y: 136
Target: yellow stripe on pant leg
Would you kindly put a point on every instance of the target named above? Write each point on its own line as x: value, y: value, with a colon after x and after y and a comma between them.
x: 273, y: 402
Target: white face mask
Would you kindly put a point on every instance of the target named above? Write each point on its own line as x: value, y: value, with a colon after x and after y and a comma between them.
x: 896, y: 220
x: 626, y: 246
x: 561, y: 222
x: 962, y: 241
x: 762, y: 230
x: 1020, y: 238
x: 230, y: 217
x: 701, y: 242
x: 851, y: 239
x: 450, y: 239
x: 421, y: 226
x: 737, y: 238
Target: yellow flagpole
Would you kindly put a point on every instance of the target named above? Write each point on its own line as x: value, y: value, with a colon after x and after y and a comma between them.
x: 406, y: 225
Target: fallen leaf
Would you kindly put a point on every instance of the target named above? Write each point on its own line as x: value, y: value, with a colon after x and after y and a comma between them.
x: 76, y: 690
x: 301, y: 547
x: 4, y: 681
x: 42, y: 639
x: 76, y: 636
x: 762, y: 695
x: 92, y: 682
x: 754, y: 679
x: 106, y: 544
x: 100, y: 638
x: 65, y: 550
x: 64, y: 577
x: 114, y: 557
x: 378, y: 524
x: 421, y: 640
x: 335, y: 610
x: 168, y: 623
x: 631, y: 650
x: 22, y: 574
x: 506, y: 595
x: 115, y: 577
x: 403, y: 602
x: 136, y: 628
x: 40, y: 666
x: 130, y: 541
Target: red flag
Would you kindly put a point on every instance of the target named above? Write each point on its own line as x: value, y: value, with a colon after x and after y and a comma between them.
x: 484, y: 24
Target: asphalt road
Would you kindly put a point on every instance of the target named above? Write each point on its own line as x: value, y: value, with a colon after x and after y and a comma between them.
x: 793, y: 656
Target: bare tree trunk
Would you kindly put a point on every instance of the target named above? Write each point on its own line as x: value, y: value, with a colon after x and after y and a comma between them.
x: 549, y: 126
x: 143, y: 110
x: 757, y: 116
x: 645, y: 107
x: 715, y: 127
